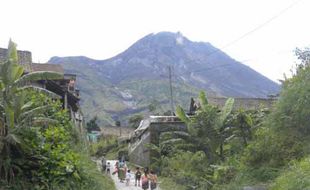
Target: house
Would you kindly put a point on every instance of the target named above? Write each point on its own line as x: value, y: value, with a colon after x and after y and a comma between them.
x: 65, y: 87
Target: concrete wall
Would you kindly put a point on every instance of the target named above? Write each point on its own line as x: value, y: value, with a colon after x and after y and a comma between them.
x: 245, y: 103
x: 138, y: 153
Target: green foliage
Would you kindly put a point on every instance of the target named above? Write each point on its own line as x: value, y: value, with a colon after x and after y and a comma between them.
x: 222, y: 135
x: 109, y: 148
x: 167, y: 183
x: 189, y: 170
x: 181, y: 114
x: 296, y: 177
x: 134, y: 121
x: 92, y: 125
x: 207, y: 127
x: 226, y: 111
x: 243, y: 123
x: 194, y: 153
x: 284, y: 136
x: 279, y: 143
x: 16, y: 113
x: 39, y: 146
x: 105, y: 145
x: 203, y: 100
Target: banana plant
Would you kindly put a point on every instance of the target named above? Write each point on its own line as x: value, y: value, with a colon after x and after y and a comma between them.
x: 15, y: 112
x: 207, y: 126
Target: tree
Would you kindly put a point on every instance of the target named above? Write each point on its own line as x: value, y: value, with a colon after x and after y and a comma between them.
x: 15, y: 112
x: 92, y: 125
x: 284, y: 135
x: 207, y: 127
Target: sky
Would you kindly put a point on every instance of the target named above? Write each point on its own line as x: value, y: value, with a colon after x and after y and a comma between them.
x: 259, y: 33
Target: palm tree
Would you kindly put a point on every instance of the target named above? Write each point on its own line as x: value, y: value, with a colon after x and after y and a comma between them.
x: 15, y: 112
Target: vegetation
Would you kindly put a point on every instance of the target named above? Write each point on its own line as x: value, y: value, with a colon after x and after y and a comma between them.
x: 39, y: 146
x: 105, y: 145
x: 134, y: 121
x: 92, y: 125
x: 225, y: 149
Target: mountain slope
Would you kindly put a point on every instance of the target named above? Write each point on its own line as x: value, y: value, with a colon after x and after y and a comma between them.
x: 130, y: 81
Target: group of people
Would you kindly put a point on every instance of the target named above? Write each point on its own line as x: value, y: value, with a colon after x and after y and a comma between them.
x: 122, y: 171
x: 145, y: 179
x: 148, y: 179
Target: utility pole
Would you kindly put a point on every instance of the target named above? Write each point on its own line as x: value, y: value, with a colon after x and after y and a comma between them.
x: 171, y: 95
x: 118, y: 124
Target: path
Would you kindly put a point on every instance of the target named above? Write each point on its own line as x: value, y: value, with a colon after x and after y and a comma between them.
x: 122, y: 186
x: 118, y: 184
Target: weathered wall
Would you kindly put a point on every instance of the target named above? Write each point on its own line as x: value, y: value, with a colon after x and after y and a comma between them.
x: 24, y: 57
x: 138, y: 153
x: 245, y: 103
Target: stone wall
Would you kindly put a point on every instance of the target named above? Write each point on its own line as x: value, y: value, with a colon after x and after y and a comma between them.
x: 24, y: 57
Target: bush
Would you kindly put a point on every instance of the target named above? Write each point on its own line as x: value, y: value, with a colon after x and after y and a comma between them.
x: 188, y: 169
x: 55, y: 156
x: 297, y: 177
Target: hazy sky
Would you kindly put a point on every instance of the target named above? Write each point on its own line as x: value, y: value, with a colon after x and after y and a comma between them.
x: 101, y: 29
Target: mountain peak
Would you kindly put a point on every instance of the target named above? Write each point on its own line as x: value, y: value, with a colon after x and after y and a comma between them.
x: 168, y: 34
x: 163, y: 39
x: 198, y: 64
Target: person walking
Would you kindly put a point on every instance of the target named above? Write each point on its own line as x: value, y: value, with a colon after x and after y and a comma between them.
x: 121, y: 171
x: 153, y: 179
x: 145, y: 181
x: 116, y: 169
x: 128, y: 177
x: 137, y: 176
x: 103, y: 164
x: 108, y: 168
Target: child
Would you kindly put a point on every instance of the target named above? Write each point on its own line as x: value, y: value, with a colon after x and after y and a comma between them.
x: 137, y: 177
x: 128, y: 176
x: 108, y: 168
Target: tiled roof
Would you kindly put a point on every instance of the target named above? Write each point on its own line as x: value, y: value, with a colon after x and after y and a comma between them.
x: 47, y: 67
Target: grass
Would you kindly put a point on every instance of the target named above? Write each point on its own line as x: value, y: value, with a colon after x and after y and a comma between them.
x: 168, y: 184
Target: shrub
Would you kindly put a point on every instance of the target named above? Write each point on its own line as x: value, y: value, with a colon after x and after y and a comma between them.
x: 296, y: 177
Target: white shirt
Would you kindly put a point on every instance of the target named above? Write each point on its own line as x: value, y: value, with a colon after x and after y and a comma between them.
x: 108, y: 166
x: 128, y: 175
